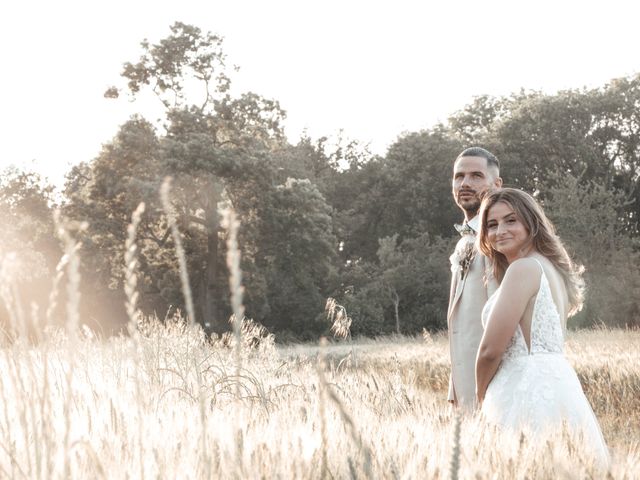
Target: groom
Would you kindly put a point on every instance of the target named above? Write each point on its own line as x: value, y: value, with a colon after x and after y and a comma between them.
x: 475, y: 171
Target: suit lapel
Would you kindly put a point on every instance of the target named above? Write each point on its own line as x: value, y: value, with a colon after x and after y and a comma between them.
x: 457, y: 283
x: 452, y: 293
x: 459, y: 287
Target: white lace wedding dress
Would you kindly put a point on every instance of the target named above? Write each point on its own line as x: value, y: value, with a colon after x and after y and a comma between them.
x: 537, y: 391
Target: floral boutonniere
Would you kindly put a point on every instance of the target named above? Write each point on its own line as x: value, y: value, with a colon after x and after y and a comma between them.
x: 468, y: 254
x: 462, y: 258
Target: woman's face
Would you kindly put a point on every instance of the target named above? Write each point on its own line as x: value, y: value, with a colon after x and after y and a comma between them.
x: 506, y: 232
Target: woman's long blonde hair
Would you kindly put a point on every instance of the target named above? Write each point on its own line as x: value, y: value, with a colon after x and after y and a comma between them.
x: 542, y: 235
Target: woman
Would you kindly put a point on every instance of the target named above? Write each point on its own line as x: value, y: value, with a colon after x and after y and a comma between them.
x: 523, y: 380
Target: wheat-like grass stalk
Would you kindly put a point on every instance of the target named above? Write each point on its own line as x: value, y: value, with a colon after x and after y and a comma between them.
x: 131, y: 266
x: 235, y: 283
x: 322, y: 398
x: 9, y: 270
x: 454, y: 462
x: 45, y: 410
x: 11, y: 372
x: 55, y: 287
x: 348, y: 421
x: 237, y: 291
x: 71, y: 247
x: 204, y: 443
x: 426, y: 336
x: 131, y: 305
x: 165, y: 191
x: 284, y: 440
x: 340, y: 327
x: 87, y: 448
x: 340, y: 321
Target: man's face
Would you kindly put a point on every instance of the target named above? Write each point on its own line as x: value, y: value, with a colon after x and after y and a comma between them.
x: 471, y: 180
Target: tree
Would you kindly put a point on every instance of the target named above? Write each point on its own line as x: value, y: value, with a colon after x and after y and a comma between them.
x: 406, y: 193
x: 216, y: 148
x: 475, y: 123
x: 542, y: 134
x: 590, y: 219
x: 29, y: 251
x: 395, y: 271
x: 216, y: 156
x: 362, y: 297
x: 405, y: 291
x: 105, y: 192
x: 222, y: 151
x: 298, y: 256
x: 616, y: 133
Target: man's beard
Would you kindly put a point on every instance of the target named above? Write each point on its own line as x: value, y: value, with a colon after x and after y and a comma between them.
x: 471, y: 207
x: 472, y: 212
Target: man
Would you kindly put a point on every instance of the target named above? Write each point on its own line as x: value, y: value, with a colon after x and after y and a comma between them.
x: 475, y: 171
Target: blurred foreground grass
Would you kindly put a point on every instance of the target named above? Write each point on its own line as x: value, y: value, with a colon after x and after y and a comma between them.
x: 169, y: 403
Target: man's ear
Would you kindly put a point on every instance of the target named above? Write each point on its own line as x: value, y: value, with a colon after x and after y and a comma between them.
x: 497, y: 182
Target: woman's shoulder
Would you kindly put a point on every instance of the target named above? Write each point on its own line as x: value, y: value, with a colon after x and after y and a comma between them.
x: 542, y: 264
x: 525, y: 265
x: 523, y: 275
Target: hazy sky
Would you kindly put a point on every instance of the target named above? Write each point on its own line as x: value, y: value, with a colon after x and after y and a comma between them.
x: 373, y: 69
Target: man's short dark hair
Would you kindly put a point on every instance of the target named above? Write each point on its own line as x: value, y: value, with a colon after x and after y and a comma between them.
x: 491, y: 159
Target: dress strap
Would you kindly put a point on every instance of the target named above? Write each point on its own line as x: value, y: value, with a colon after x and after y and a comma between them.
x: 543, y: 275
x: 529, y: 343
x: 544, y: 290
x: 539, y: 264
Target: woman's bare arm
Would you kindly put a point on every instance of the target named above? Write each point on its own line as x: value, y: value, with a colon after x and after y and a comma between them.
x: 521, y: 282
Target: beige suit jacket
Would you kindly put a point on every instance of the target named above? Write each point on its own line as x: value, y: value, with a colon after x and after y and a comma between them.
x: 469, y: 292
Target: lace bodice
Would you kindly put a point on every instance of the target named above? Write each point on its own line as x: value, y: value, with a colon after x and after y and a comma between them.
x: 546, y: 325
x: 537, y: 391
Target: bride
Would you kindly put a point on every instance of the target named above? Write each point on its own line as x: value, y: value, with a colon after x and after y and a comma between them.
x: 523, y: 380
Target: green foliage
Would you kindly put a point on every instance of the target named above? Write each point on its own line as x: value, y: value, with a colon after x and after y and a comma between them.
x: 408, y: 277
x: 29, y: 250
x: 106, y: 191
x: 222, y: 152
x: 298, y: 255
x: 319, y: 220
x: 361, y: 296
x: 543, y: 134
x: 416, y: 271
x: 579, y: 152
x: 26, y: 205
x: 408, y: 192
x: 475, y: 122
x: 590, y: 219
x: 168, y: 66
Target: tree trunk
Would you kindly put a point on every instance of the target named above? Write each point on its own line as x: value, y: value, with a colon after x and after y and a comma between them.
x: 396, y: 303
x: 212, y: 292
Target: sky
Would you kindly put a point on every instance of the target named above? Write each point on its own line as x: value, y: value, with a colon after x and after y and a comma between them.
x: 373, y: 69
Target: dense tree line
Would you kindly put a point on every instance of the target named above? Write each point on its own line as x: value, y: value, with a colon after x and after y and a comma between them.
x: 374, y: 232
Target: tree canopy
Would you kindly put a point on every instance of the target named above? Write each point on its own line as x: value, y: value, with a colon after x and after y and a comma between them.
x: 374, y: 232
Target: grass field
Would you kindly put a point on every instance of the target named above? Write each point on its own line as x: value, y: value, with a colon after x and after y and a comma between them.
x: 166, y: 403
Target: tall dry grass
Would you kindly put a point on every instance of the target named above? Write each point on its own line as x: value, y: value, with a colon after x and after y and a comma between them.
x: 169, y: 402
x: 386, y: 419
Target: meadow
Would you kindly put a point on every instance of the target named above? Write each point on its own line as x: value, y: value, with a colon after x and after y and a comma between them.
x: 169, y: 402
